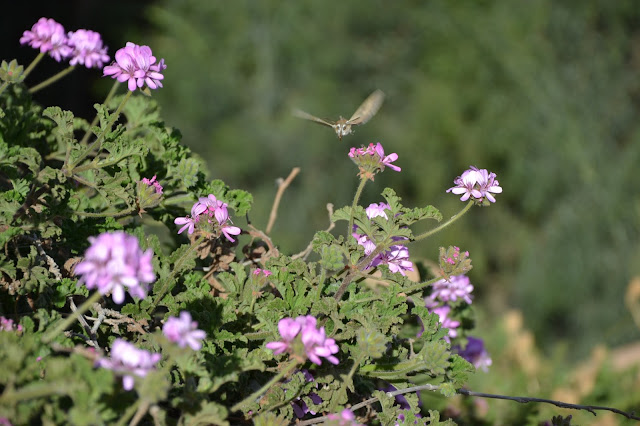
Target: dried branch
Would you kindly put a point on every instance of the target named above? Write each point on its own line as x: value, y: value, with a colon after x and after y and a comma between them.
x: 305, y: 253
x: 276, y: 202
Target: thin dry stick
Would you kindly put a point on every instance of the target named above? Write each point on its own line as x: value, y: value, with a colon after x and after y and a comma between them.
x: 276, y: 202
x: 306, y: 251
x: 525, y: 399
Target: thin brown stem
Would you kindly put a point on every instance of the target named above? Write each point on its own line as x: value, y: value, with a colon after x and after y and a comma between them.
x: 276, y: 201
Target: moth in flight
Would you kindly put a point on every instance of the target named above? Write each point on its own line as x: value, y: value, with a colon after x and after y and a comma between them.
x: 342, y: 126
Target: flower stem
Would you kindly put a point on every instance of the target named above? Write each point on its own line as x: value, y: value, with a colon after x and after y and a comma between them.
x: 52, y: 80
x: 96, y: 118
x: 419, y: 286
x: 4, y: 86
x: 98, y: 142
x: 32, y: 65
x: 444, y: 225
x: 356, y: 198
x: 48, y: 337
x: 286, y: 370
x: 176, y: 267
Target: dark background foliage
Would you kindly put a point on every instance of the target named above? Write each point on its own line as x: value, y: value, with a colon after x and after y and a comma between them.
x: 542, y: 93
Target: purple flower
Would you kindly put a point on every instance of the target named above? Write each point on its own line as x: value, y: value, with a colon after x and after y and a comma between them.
x: 115, y: 261
x: 129, y: 361
x: 458, y: 287
x: 396, y: 258
x: 375, y: 210
x: 137, y: 66
x: 48, y: 36
x: 184, y: 331
x: 303, y: 340
x: 7, y: 324
x: 475, y: 353
x: 345, y: 418
x: 189, y: 222
x: 478, y: 184
x: 87, y: 49
x: 300, y: 408
x: 5, y: 422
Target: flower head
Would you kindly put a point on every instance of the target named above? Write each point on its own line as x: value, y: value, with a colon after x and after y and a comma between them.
x: 371, y: 160
x: 210, y: 212
x: 302, y: 339
x: 184, y: 331
x: 396, y: 258
x: 115, y: 261
x: 458, y: 287
x: 475, y: 352
x: 87, y: 49
x: 129, y: 361
x: 7, y: 324
x: 48, y: 36
x: 375, y: 210
x: 137, y: 66
x: 477, y: 184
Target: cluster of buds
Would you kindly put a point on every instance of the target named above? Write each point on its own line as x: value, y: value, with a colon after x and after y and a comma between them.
x: 371, y: 160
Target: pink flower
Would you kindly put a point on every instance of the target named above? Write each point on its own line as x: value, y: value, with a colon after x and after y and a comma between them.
x: 184, y: 331
x: 136, y: 65
x: 346, y: 418
x: 115, y: 261
x: 87, y: 49
x: 301, y: 338
x: 189, y: 222
x: 48, y: 36
x: 386, y: 161
x: 480, y: 185
x: 129, y: 361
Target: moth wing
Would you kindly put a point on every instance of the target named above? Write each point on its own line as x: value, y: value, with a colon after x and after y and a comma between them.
x: 368, y: 109
x: 306, y: 116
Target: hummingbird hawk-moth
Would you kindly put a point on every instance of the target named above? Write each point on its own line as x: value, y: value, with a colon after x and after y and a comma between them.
x: 342, y: 126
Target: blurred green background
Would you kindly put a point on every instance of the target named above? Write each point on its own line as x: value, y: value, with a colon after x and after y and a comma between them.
x: 543, y: 93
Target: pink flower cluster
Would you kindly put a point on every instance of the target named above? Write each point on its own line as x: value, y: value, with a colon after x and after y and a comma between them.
x: 345, y: 418
x: 302, y: 339
x: 264, y: 272
x: 212, y: 212
x: 137, y: 66
x: 371, y: 160
x: 115, y: 261
x: 84, y: 47
x: 153, y: 182
x: 129, y: 361
x: 184, y: 331
x: 478, y: 184
x: 396, y: 257
x: 7, y: 324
